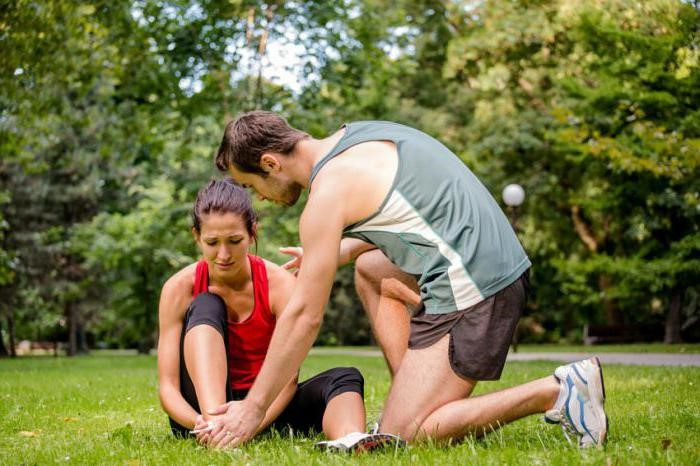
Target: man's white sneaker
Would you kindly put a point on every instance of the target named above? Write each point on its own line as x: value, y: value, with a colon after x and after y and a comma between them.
x: 361, y: 442
x: 580, y: 405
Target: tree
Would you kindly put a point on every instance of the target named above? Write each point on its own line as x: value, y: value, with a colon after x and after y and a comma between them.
x: 110, y: 113
x: 73, y: 137
x: 593, y: 107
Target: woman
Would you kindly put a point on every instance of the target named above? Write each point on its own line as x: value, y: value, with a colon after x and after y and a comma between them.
x: 216, y: 318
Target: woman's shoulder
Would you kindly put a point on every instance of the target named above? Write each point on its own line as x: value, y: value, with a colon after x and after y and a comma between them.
x: 276, y: 272
x: 181, y: 282
x: 280, y: 283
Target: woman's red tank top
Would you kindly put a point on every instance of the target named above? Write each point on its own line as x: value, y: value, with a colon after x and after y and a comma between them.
x: 247, y: 340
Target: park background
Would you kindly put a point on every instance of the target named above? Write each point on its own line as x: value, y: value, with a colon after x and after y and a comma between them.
x: 111, y: 112
x: 110, y: 115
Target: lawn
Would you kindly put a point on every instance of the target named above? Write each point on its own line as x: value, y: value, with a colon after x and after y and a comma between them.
x: 103, y: 409
x: 681, y: 348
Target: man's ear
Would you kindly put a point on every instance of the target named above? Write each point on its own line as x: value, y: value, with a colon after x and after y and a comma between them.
x: 269, y: 163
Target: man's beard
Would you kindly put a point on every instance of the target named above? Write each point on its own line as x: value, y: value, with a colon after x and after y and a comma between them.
x: 291, y: 194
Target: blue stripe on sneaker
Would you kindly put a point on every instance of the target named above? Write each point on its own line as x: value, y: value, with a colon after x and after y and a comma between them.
x: 583, y: 421
x: 569, y: 385
x: 579, y: 375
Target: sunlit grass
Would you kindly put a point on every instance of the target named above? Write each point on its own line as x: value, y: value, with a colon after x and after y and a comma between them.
x: 681, y: 348
x: 104, y: 410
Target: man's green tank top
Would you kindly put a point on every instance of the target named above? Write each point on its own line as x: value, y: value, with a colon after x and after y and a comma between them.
x: 438, y: 222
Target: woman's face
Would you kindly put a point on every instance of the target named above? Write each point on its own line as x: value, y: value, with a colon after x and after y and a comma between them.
x: 224, y: 241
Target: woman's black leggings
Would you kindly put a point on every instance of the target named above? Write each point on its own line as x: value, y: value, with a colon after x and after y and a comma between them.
x: 304, y: 413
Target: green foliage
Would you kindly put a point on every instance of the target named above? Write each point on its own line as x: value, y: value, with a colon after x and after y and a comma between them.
x: 586, y: 105
x: 131, y: 254
x: 6, y: 273
x: 110, y: 113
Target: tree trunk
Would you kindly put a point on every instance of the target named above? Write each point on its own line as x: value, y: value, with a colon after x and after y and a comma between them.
x: 613, y: 316
x: 82, y: 346
x: 514, y: 341
x: 72, y: 328
x: 673, y: 319
x: 3, y: 348
x: 11, y: 334
x: 144, y: 345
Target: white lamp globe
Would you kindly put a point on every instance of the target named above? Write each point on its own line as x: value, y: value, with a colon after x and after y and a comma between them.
x: 513, y: 195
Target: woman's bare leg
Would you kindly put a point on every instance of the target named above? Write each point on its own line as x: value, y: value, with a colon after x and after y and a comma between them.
x: 205, y: 359
x: 344, y: 414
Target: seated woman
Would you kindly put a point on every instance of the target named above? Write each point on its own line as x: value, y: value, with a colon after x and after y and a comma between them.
x: 216, y: 318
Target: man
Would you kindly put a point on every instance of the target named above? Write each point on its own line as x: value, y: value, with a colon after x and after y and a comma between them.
x: 426, y: 235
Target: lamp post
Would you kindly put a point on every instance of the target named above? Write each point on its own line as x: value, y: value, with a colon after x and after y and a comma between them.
x: 513, y: 196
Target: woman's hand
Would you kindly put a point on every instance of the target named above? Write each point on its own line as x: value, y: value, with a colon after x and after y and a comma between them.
x: 297, y: 253
x: 205, y: 427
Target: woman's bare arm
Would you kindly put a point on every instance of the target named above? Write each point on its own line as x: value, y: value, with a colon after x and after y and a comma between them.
x: 175, y: 296
x: 350, y: 249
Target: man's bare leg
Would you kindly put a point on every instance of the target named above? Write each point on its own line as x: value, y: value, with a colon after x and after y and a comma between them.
x: 205, y: 358
x: 480, y: 415
x: 385, y: 291
x: 428, y: 400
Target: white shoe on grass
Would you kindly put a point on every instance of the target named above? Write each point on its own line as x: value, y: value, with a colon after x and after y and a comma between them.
x: 361, y: 442
x: 580, y: 405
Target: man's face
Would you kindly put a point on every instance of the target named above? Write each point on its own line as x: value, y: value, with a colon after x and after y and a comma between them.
x: 274, y: 187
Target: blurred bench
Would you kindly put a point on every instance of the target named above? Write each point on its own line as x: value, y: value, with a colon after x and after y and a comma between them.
x: 26, y: 347
x: 597, y: 334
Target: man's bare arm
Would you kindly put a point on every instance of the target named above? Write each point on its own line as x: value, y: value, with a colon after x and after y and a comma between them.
x: 301, y: 319
x: 321, y: 227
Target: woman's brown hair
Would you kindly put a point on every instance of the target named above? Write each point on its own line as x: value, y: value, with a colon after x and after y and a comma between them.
x: 223, y: 196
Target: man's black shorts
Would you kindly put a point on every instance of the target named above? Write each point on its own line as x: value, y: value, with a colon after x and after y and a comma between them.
x: 479, y: 335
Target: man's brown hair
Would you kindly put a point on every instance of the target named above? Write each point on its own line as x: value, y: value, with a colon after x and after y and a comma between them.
x: 251, y: 135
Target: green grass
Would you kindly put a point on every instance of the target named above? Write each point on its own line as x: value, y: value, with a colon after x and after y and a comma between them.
x: 103, y: 409
x: 684, y: 348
